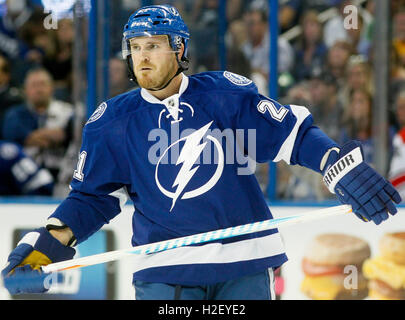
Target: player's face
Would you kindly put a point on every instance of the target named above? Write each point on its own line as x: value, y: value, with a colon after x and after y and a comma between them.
x: 154, y: 61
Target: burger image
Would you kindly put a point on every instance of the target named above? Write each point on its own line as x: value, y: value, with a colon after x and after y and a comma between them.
x: 328, y: 264
x: 387, y: 271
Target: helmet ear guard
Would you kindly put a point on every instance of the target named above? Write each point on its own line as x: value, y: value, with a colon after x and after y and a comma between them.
x: 176, y: 43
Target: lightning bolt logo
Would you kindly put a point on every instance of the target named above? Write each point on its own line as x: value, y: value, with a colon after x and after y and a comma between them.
x: 189, y: 154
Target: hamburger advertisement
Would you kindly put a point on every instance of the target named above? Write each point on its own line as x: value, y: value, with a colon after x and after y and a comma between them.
x: 333, y: 268
x: 386, y: 271
x: 343, y: 258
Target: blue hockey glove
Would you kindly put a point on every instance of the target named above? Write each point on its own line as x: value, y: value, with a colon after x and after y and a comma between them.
x: 354, y: 182
x: 22, y: 273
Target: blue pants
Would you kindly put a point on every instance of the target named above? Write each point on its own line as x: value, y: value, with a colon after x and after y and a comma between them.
x: 258, y: 286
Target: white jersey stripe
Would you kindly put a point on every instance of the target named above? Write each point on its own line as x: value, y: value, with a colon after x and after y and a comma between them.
x: 257, y: 248
x: 301, y: 113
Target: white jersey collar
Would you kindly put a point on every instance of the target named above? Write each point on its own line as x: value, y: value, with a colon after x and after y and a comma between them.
x: 171, y: 103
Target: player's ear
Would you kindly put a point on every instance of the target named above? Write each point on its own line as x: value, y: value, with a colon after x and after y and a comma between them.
x: 181, y: 51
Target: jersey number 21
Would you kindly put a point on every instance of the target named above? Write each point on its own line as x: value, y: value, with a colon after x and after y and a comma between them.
x: 78, y: 173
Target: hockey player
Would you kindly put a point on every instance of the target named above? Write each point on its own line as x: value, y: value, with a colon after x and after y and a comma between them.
x: 179, y: 188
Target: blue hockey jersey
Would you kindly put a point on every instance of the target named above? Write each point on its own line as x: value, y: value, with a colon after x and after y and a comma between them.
x: 20, y: 175
x: 185, y: 162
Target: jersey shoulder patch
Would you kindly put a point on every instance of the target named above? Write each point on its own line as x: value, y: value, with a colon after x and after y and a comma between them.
x: 237, y: 79
x: 223, y: 81
x: 97, y: 113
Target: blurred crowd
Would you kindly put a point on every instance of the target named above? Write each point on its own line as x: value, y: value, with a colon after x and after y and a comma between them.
x: 323, y: 65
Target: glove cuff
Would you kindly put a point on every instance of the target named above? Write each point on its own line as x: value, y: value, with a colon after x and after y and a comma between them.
x: 350, y: 156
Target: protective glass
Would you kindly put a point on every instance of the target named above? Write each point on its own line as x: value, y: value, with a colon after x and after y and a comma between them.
x: 152, y: 47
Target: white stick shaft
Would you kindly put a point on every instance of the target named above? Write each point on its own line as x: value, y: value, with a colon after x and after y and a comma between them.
x: 195, y: 239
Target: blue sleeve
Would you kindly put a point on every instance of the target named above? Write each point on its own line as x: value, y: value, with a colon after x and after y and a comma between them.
x: 283, y: 132
x: 99, y: 182
x: 310, y: 148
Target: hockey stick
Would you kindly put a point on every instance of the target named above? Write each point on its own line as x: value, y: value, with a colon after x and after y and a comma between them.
x: 195, y: 239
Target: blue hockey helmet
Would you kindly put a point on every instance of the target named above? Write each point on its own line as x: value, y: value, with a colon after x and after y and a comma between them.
x: 157, y: 20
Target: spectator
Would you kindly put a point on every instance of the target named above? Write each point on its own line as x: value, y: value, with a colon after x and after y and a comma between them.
x: 235, y: 38
x: 17, y: 28
x: 236, y: 33
x: 358, y: 75
x: 16, y: 16
x: 9, y: 95
x: 397, y: 166
x: 41, y: 124
x: 357, y: 126
x: 368, y: 15
x: 298, y: 94
x: 205, y: 12
x: 291, y: 11
x: 256, y: 49
x: 396, y: 5
x: 289, y: 14
x: 358, y: 37
x: 59, y: 61
x: 337, y: 59
x: 204, y: 27
x: 397, y: 66
x: 398, y: 37
x: 397, y: 77
x: 237, y: 62
x: 28, y: 33
x: 235, y: 9
x: 325, y: 107
x: 20, y: 175
x: 119, y: 82
x: 318, y: 5
x: 310, y: 51
x: 334, y: 29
